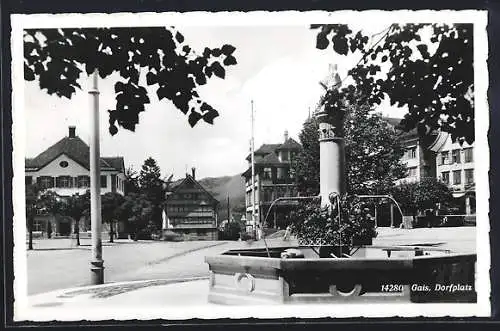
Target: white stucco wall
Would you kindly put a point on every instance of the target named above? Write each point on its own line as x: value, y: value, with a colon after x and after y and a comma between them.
x: 53, y: 169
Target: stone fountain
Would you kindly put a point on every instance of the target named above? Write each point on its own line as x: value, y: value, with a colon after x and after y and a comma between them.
x: 298, y: 274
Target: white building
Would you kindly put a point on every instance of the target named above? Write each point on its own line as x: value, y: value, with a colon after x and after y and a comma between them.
x: 455, y: 167
x: 64, y: 169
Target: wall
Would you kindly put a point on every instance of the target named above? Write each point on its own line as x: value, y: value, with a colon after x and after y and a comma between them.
x: 53, y: 169
x: 449, y: 146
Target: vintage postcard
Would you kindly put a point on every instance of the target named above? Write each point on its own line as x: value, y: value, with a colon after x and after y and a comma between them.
x: 260, y: 164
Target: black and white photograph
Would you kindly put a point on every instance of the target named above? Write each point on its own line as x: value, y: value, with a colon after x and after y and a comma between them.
x: 259, y: 164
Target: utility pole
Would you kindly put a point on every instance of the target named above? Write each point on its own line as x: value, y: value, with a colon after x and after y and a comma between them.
x: 96, y: 264
x: 228, y: 210
x: 252, y: 147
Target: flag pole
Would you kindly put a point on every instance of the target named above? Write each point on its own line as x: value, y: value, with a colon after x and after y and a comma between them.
x: 252, y: 146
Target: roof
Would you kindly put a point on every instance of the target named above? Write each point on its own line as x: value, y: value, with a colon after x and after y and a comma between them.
x: 267, y: 148
x: 180, y: 182
x: 76, y: 149
x: 428, y: 139
x: 270, y: 158
x: 290, y: 143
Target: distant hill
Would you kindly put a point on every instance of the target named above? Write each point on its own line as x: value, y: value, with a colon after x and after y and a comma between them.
x: 220, y: 187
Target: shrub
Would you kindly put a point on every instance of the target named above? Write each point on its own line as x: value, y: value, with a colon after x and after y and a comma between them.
x: 231, y: 231
x: 316, y: 225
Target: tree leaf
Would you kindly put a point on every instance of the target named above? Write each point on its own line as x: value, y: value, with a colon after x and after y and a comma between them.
x: 194, y: 117
x: 179, y: 37
x: 228, y: 49
x: 218, y: 70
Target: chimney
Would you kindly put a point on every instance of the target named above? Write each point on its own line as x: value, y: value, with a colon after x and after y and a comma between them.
x: 72, y: 133
x: 286, y: 135
x: 193, y: 172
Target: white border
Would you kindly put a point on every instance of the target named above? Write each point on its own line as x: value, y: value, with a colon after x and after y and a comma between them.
x: 478, y: 18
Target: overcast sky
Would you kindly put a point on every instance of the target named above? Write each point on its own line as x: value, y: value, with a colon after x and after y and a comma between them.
x: 278, y: 67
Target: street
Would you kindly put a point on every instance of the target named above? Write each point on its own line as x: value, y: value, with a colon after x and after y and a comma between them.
x: 61, y: 265
x: 58, y: 268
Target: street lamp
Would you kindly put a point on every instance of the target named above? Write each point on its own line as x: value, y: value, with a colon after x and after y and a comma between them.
x: 96, y: 263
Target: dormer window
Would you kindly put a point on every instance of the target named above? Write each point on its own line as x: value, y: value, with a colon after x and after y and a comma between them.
x: 285, y: 156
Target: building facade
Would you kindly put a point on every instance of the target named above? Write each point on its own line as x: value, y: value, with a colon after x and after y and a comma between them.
x: 64, y: 169
x: 191, y: 210
x: 273, y: 180
x: 455, y: 168
x: 419, y: 156
x: 437, y: 156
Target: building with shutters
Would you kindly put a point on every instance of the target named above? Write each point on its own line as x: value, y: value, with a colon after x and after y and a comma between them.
x: 437, y: 156
x: 273, y: 180
x: 64, y: 169
x: 191, y: 210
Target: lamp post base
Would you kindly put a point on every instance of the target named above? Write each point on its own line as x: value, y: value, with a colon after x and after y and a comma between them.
x: 97, y: 272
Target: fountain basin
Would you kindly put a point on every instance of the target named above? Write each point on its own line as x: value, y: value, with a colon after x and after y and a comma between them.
x: 408, y: 274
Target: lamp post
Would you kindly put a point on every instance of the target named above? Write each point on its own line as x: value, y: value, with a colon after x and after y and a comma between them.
x: 96, y: 263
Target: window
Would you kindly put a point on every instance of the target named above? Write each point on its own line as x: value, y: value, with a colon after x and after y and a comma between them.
x: 268, y: 194
x: 267, y: 173
x: 455, y: 156
x: 411, y: 153
x: 47, y: 182
x: 457, y: 177
x: 412, y: 172
x: 469, y: 176
x: 83, y: 181
x: 445, y: 157
x: 28, y: 180
x: 64, y: 181
x: 468, y: 155
x: 285, y: 156
x: 445, y: 177
x: 63, y: 164
x: 38, y: 225
x: 281, y: 173
x: 104, y: 181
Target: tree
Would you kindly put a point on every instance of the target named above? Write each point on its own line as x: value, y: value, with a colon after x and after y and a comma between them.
x: 76, y: 206
x: 151, y: 185
x: 137, y: 210
x: 305, y: 165
x: 415, y: 197
x: 131, y: 181
x: 57, y: 57
x: 433, y: 77
x: 110, y: 210
x: 372, y: 154
x: 38, y: 200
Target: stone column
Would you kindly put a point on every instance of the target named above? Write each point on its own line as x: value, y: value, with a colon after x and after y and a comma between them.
x: 332, y: 160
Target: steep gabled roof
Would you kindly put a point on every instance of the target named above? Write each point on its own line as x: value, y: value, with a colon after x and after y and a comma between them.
x: 180, y: 182
x: 76, y: 149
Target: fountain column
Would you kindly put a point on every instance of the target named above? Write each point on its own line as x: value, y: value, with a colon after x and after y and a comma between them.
x: 332, y: 159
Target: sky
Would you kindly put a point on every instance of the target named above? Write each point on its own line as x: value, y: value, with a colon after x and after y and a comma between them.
x: 278, y: 68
